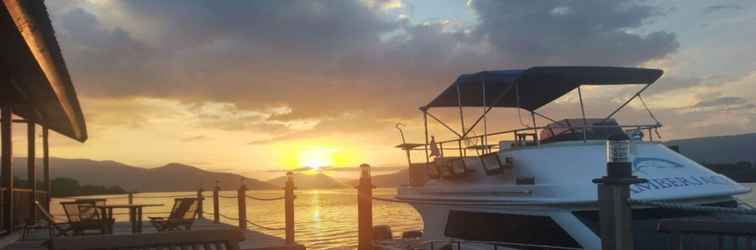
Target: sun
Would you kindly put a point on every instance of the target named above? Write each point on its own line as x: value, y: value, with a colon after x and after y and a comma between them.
x: 317, y: 157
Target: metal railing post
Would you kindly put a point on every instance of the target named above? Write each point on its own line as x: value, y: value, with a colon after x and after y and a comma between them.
x: 289, y: 207
x: 365, y: 209
x: 216, y: 200
x: 615, y: 213
x: 242, y: 197
x: 200, y: 200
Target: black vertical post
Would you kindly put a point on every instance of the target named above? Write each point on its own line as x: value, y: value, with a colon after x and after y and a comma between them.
x: 216, y: 205
x: 7, y: 168
x: 242, y: 197
x: 31, y: 170
x: 289, y: 207
x: 200, y: 200
x: 46, y: 166
x: 615, y: 213
x: 365, y: 209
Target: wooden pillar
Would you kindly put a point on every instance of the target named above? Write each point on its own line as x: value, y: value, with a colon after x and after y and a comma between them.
x: 131, y: 198
x: 7, y: 168
x: 31, y: 170
x: 289, y: 207
x: 200, y: 200
x: 242, y: 197
x: 46, y: 166
x: 216, y: 203
x: 365, y: 209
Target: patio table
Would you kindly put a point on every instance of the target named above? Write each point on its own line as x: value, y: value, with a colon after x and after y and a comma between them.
x: 135, y: 214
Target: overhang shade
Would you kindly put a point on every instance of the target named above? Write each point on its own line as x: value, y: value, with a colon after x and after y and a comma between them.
x: 532, y: 88
x: 33, y: 75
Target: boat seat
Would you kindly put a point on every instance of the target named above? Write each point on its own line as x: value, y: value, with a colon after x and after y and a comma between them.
x: 449, y: 168
x: 492, y: 163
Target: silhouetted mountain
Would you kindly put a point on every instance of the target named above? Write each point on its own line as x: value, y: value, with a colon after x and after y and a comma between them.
x: 168, y: 178
x: 719, y: 149
x: 395, y: 179
x: 307, y: 181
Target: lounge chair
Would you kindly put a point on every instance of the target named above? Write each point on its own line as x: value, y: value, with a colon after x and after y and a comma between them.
x: 84, y: 217
x: 183, y: 214
x: 54, y: 228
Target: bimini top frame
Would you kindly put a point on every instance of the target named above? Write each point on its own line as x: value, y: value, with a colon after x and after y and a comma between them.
x: 530, y: 89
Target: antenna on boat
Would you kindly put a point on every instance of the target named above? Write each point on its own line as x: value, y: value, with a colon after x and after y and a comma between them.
x: 399, y: 126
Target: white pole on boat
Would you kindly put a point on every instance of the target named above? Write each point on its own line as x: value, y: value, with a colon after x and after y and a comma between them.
x: 484, y: 138
x: 425, y: 124
x: 461, y: 119
x: 535, y: 128
x: 582, y: 110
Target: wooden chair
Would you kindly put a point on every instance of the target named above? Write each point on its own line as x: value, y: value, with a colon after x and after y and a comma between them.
x: 54, y: 228
x: 224, y: 239
x: 84, y: 217
x: 183, y: 214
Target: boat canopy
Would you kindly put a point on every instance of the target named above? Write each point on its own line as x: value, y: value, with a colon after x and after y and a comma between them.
x: 34, y: 79
x: 532, y: 88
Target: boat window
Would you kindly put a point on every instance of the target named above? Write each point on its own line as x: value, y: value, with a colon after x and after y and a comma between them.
x: 645, y: 223
x: 572, y: 130
x: 511, y: 228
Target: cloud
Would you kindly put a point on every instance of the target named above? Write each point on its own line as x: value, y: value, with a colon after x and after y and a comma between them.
x: 592, y: 32
x: 330, y: 63
x: 716, y: 8
x: 194, y: 138
x: 727, y: 102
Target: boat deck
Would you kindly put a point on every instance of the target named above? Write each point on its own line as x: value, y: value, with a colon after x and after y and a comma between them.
x: 253, y: 240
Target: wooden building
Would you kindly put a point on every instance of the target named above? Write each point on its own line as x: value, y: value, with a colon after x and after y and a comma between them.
x: 35, y: 89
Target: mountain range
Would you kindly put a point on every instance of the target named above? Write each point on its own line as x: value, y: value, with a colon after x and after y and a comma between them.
x: 182, y: 177
x: 719, y: 149
x: 310, y: 181
x: 169, y: 178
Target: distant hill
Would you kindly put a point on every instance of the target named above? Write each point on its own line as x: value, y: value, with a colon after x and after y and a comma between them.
x: 719, y: 149
x: 305, y: 181
x: 169, y: 178
x: 394, y: 179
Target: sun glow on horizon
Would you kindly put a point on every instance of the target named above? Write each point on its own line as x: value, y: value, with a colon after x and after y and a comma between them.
x: 316, y: 157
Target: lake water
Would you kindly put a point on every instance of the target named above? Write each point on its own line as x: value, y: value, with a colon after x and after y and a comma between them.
x: 325, y: 219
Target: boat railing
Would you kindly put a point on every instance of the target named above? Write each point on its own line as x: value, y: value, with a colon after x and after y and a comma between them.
x: 459, y: 244
x: 529, y: 136
x: 726, y: 234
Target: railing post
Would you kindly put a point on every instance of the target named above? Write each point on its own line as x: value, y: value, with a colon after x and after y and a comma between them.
x: 131, y: 198
x: 200, y: 200
x: 615, y: 213
x: 216, y: 205
x: 7, y: 168
x: 289, y: 207
x: 242, y: 197
x: 365, y: 209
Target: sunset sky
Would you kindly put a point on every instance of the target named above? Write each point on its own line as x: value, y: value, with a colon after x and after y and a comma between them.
x: 250, y: 86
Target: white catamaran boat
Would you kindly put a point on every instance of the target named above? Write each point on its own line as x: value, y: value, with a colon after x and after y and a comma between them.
x: 532, y: 188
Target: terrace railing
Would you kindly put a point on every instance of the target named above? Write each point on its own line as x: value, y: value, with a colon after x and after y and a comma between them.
x: 241, y: 198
